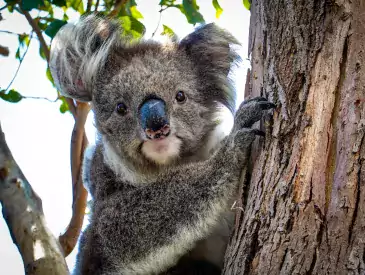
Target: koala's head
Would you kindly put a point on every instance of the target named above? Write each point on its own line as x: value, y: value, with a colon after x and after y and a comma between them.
x: 153, y: 103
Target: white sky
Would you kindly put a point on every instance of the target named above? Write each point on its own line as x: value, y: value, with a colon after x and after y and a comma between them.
x: 39, y: 135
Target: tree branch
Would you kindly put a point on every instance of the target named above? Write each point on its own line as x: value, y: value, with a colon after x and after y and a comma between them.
x: 96, y: 5
x: 4, y: 7
x: 23, y: 213
x: 38, y: 31
x: 119, y: 4
x: 20, y: 64
x: 89, y: 4
x: 69, y: 239
x: 78, y: 144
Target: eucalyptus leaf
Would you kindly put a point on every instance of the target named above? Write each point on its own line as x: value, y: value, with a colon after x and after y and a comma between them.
x: 17, y: 54
x: 11, y: 96
x: 54, y: 27
x: 49, y: 76
x: 41, y: 53
x: 218, y: 8
x: 247, y: 4
x: 64, y: 106
x: 191, y: 11
x: 32, y: 4
x: 59, y: 3
x: 135, y: 12
x: 167, y: 3
x: 77, y: 5
x: 167, y: 31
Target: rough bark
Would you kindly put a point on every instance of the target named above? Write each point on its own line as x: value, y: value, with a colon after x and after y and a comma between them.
x: 304, y: 207
x: 23, y: 213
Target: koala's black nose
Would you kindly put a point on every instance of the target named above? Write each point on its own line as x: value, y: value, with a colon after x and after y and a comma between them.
x: 154, y: 119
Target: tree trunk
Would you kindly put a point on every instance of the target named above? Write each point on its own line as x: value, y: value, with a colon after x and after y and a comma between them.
x: 304, y: 206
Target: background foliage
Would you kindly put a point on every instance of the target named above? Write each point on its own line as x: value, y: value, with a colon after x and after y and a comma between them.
x: 46, y: 23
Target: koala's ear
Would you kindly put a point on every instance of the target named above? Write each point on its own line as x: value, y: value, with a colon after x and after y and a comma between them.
x: 209, y: 47
x: 79, y: 51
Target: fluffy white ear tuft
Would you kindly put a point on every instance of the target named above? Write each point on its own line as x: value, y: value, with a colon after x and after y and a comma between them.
x: 211, y: 49
x: 79, y: 51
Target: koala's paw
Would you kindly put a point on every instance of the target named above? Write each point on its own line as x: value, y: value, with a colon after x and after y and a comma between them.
x: 251, y: 111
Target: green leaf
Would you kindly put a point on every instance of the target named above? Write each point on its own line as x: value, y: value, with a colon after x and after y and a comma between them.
x: 54, y: 27
x: 41, y: 53
x: 167, y: 3
x: 32, y: 4
x: 126, y: 23
x: 64, y: 106
x: 108, y: 4
x: 47, y: 8
x: 49, y: 76
x: 247, y: 4
x: 23, y: 39
x: 17, y: 54
x: 167, y: 31
x: 11, y: 4
x: 42, y: 25
x: 191, y: 11
x: 65, y: 17
x: 130, y: 3
x: 137, y: 27
x: 218, y: 8
x: 11, y: 96
x: 135, y: 13
x: 77, y: 5
x: 59, y: 3
x: 132, y: 27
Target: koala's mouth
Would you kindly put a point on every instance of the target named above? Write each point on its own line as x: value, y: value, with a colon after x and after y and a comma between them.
x: 158, y: 135
x: 162, y: 150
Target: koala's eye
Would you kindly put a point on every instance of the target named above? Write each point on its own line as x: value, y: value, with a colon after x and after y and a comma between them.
x: 180, y: 97
x: 121, y: 109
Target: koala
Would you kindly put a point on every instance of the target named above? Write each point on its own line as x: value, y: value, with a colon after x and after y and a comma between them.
x: 161, y: 178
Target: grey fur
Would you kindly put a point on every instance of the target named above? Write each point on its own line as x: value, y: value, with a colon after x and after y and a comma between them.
x: 150, y: 212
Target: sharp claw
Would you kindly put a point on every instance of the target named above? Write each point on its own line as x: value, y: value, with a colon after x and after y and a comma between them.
x: 258, y: 132
x: 267, y: 105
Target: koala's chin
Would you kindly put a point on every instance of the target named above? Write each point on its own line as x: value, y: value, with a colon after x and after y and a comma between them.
x: 162, y: 151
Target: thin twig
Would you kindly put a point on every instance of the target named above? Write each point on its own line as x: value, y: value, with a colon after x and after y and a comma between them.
x: 38, y: 31
x: 20, y: 64
x: 96, y: 5
x: 89, y: 4
x: 17, y: 34
x: 159, y: 21
x: 41, y: 98
x: 46, y: 51
x: 9, y: 32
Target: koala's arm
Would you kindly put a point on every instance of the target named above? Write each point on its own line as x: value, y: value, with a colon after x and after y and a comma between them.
x: 146, y: 230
